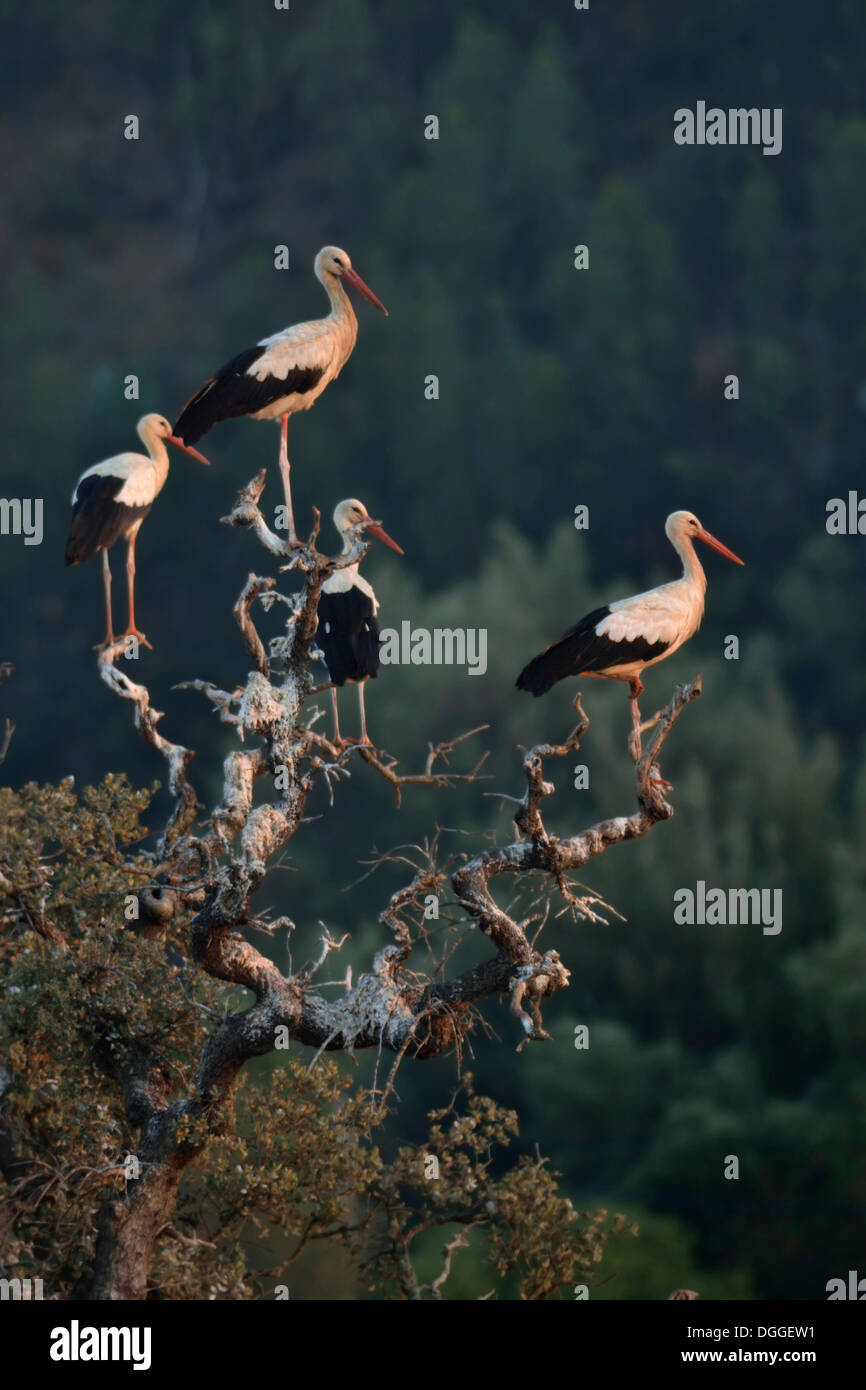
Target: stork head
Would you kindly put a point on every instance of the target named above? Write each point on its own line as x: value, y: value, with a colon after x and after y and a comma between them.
x: 157, y: 427
x: 683, y: 527
x: 334, y: 263
x: 351, y: 518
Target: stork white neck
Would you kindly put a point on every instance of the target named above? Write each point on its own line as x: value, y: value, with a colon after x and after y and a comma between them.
x: 155, y: 445
x: 693, y: 570
x: 341, y: 305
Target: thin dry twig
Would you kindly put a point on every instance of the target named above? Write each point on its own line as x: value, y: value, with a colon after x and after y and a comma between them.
x: 385, y: 765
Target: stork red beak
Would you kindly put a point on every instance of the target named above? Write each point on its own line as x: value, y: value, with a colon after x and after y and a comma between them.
x: 353, y: 278
x: 373, y: 529
x: 187, y: 448
x: 707, y: 539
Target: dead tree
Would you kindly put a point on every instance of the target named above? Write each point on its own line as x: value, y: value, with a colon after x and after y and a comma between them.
x: 217, y: 871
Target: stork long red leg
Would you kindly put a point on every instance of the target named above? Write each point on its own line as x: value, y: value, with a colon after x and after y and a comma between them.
x: 286, y: 474
x: 337, y: 739
x: 132, y: 630
x: 130, y: 581
x: 365, y: 738
x: 106, y: 582
x: 636, y: 688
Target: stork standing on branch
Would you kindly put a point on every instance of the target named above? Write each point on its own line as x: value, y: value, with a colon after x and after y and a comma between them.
x: 111, y: 500
x: 348, y: 631
x: 620, y: 640
x: 286, y: 372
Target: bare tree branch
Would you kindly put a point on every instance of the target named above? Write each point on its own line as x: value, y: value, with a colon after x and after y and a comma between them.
x: 458, y: 1242
x: 216, y: 872
x: 250, y: 592
x: 388, y: 1007
x: 177, y: 757
x: 385, y: 765
x: 245, y: 512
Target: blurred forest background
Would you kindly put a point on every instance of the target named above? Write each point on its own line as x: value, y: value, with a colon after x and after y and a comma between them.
x: 558, y: 387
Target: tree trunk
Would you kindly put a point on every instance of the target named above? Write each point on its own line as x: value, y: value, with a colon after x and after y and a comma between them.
x: 128, y: 1228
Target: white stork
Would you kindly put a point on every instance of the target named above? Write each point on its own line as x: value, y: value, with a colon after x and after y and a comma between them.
x: 620, y: 640
x: 348, y: 631
x: 286, y: 372
x: 111, y: 500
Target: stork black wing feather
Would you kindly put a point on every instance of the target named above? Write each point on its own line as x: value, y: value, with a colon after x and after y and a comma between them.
x: 348, y: 634
x: 98, y: 520
x: 582, y: 649
x: 232, y: 391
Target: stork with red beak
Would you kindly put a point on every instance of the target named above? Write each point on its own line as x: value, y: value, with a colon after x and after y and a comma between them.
x: 111, y: 500
x: 348, y: 631
x: 620, y: 640
x: 286, y: 372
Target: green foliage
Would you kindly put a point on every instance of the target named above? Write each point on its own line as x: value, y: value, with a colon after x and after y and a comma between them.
x: 73, y: 1004
x: 453, y: 1182
x: 298, y: 1162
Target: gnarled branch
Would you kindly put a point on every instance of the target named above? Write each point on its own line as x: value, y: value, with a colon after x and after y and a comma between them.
x: 408, y: 1012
